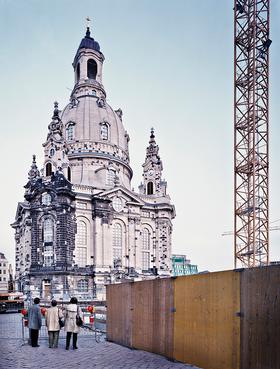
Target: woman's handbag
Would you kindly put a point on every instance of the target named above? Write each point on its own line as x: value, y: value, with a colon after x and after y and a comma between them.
x: 60, y: 321
x: 79, y: 320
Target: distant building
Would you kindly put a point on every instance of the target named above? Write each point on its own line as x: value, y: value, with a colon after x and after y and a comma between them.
x: 182, y: 266
x: 5, y: 274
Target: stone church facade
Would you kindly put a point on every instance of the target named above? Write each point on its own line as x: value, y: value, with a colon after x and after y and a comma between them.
x: 81, y: 225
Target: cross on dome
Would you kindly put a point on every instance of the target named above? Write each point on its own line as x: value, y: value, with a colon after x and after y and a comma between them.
x: 88, y: 20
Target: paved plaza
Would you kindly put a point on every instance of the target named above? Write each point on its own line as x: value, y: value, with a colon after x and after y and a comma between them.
x: 104, y: 355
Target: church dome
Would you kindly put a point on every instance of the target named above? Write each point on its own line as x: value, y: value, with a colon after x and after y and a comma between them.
x: 89, y: 42
x: 90, y: 120
x: 95, y: 141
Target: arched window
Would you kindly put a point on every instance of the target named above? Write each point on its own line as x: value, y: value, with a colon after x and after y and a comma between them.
x: 110, y: 177
x: 48, y: 255
x: 150, y: 188
x: 48, y: 169
x: 69, y: 174
x: 46, y: 199
x: 117, y: 243
x: 48, y: 230
x: 81, y: 249
x: 104, y: 132
x: 81, y: 256
x: 78, y: 72
x: 82, y: 285
x: 70, y: 132
x: 52, y: 151
x: 91, y: 69
x: 81, y: 233
x: 146, y: 249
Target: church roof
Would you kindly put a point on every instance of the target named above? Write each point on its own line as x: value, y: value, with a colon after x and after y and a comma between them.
x: 89, y: 42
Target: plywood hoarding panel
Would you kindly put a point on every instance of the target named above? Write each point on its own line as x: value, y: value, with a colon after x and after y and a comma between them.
x: 119, y: 309
x: 260, y: 322
x: 152, y: 316
x: 206, y: 321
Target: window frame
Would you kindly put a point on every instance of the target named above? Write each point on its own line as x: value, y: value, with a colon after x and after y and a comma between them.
x: 49, y: 169
x: 117, y: 240
x: 48, y: 230
x: 70, y: 131
x: 82, y: 233
x: 110, y: 176
x: 92, y: 69
x: 105, y: 125
x: 83, y: 285
x: 146, y: 249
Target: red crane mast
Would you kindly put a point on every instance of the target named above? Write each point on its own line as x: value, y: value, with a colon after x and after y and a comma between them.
x: 251, y: 140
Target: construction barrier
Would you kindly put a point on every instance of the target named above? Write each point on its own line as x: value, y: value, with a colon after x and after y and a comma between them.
x: 206, y: 321
x: 223, y: 320
x: 260, y: 319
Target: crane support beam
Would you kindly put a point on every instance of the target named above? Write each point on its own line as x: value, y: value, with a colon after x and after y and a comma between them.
x: 251, y: 141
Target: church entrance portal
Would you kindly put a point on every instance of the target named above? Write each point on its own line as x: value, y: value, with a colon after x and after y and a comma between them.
x: 46, y: 289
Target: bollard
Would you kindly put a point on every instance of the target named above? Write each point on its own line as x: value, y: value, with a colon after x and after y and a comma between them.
x: 24, y: 323
x: 91, y: 319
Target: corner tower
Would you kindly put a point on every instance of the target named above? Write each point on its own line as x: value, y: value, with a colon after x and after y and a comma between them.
x: 152, y: 170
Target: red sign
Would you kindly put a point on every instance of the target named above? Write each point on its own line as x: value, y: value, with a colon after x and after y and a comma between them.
x: 24, y: 312
x: 90, y: 309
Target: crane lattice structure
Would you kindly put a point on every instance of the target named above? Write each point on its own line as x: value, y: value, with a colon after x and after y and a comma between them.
x: 251, y: 159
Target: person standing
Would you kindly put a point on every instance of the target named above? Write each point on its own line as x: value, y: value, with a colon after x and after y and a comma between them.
x: 71, y: 312
x: 34, y: 322
x: 52, y: 316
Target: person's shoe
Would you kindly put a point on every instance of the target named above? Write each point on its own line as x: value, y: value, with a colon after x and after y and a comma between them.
x: 66, y: 348
x: 37, y: 346
x: 75, y: 348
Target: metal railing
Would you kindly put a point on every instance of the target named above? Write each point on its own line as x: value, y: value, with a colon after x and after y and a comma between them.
x: 15, y: 326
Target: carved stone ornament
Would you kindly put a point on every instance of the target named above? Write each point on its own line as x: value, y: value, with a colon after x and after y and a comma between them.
x: 74, y: 103
x: 101, y: 102
x: 119, y: 113
x: 33, y: 172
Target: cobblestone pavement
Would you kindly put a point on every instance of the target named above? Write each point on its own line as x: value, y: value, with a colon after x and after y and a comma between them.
x: 103, y: 355
x: 90, y: 354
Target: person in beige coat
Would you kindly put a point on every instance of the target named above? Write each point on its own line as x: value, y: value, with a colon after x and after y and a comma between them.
x: 52, y: 322
x: 70, y: 313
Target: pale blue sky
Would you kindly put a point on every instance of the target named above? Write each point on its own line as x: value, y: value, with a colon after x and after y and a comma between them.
x: 169, y: 64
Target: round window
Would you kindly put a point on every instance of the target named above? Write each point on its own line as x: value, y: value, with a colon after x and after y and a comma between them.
x: 117, y: 204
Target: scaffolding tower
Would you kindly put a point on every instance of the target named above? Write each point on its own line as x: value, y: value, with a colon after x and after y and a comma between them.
x: 251, y: 159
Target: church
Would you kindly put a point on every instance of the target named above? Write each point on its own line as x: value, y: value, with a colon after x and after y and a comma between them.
x: 81, y: 225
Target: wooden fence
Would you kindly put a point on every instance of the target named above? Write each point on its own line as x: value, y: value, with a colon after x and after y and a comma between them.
x: 223, y: 320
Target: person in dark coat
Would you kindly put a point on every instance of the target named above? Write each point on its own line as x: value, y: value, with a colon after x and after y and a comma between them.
x: 34, y: 322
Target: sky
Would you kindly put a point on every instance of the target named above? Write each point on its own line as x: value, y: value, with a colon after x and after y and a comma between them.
x: 168, y: 65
